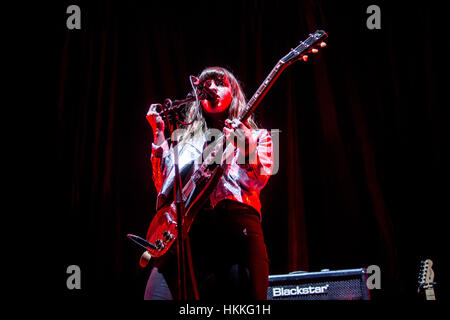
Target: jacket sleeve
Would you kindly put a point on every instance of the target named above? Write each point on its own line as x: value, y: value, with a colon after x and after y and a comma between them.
x: 162, y: 162
x: 260, y: 163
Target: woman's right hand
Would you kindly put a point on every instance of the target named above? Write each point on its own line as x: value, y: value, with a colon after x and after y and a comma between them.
x: 156, y: 122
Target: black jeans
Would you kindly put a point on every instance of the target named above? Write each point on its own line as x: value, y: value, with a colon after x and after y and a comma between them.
x: 228, y: 253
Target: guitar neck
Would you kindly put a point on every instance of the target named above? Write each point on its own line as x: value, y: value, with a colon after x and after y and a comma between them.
x: 253, y: 103
x: 429, y: 294
x: 294, y: 55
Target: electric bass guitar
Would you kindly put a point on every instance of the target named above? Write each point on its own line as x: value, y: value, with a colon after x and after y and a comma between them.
x: 163, y: 229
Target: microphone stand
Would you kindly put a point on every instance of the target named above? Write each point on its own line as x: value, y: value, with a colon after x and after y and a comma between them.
x: 171, y: 112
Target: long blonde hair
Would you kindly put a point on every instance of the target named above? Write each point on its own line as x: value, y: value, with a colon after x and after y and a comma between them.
x: 237, y: 104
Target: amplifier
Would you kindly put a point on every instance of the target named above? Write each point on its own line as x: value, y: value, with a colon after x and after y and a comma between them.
x: 323, y: 285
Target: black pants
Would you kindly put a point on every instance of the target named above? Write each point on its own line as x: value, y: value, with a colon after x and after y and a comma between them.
x: 228, y: 253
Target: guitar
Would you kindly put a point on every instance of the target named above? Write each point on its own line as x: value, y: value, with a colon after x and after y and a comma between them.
x: 163, y: 229
x: 426, y: 278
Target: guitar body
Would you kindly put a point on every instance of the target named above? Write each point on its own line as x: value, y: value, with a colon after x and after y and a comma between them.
x: 163, y: 229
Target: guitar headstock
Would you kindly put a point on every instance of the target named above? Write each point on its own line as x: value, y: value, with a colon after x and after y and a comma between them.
x: 426, y: 275
x: 311, y: 44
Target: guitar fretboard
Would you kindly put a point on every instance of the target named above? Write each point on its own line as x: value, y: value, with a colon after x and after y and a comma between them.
x: 429, y: 294
x: 252, y: 104
x: 262, y: 90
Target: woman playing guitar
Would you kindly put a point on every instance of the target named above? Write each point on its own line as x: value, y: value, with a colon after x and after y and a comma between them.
x: 228, y: 249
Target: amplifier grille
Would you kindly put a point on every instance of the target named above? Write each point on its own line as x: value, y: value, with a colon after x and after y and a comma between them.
x: 325, y: 285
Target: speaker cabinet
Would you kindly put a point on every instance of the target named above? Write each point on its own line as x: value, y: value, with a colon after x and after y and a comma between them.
x: 323, y: 285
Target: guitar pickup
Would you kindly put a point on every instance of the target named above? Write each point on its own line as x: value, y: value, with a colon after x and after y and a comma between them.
x: 169, y: 219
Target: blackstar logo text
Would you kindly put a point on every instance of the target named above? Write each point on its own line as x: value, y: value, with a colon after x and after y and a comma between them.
x: 298, y: 291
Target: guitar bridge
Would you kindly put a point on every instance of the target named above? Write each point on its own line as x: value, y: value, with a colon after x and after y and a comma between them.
x: 167, y: 236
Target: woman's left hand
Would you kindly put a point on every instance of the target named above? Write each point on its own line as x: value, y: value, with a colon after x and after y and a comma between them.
x: 240, y: 135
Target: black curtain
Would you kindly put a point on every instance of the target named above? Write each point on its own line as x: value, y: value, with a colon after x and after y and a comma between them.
x: 360, y: 179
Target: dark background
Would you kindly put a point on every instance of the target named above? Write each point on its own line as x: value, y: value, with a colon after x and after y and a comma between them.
x: 360, y: 180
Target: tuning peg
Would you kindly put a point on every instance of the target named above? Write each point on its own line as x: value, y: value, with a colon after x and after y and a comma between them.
x: 305, y: 58
x: 314, y: 50
x: 323, y: 44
